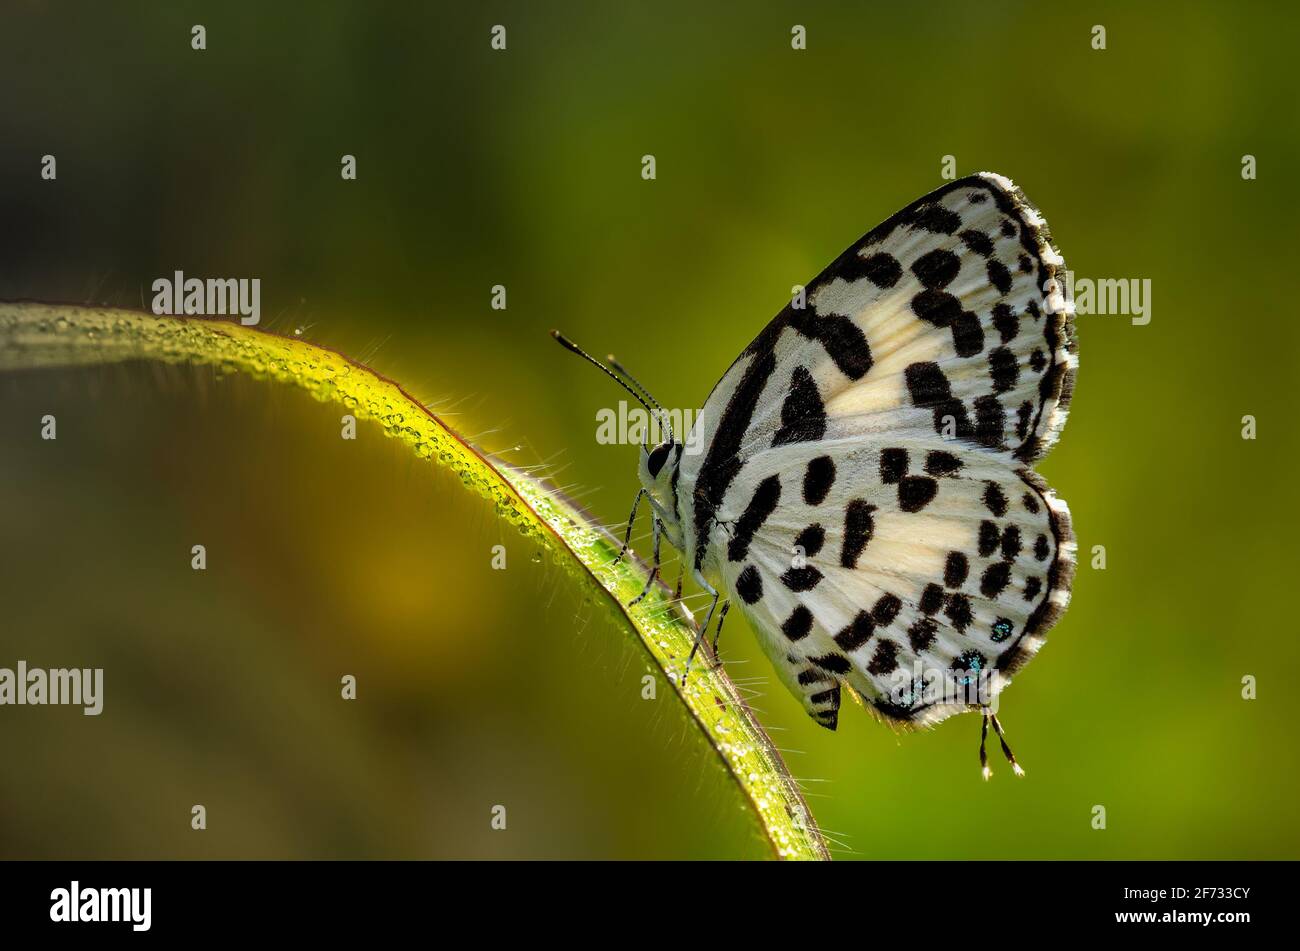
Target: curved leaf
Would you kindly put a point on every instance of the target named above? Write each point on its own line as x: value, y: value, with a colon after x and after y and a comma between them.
x: 34, y: 335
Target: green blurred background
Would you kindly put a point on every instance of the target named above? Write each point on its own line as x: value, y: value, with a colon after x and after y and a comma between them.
x: 522, y: 168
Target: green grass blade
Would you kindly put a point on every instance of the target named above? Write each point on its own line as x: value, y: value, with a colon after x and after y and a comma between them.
x: 34, y: 335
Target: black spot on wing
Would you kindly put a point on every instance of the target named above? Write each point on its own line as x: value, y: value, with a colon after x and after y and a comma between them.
x: 1010, y: 543
x: 818, y: 479
x: 928, y: 387
x: 978, y: 242
x: 858, y: 528
x: 1005, y: 322
x: 955, y: 569
x: 750, y: 585
x: 803, y: 415
x: 990, y: 421
x: 940, y: 463
x: 886, y: 609
x: 967, y: 334
x: 995, y: 579
x: 971, y: 660
x: 857, y: 633
x: 926, y: 384
x: 827, y: 697
x: 934, y: 218
x: 994, y: 499
x: 1003, y: 369
x: 827, y: 716
x: 834, y: 663
x: 798, y: 625
x: 936, y: 269
x: 893, y: 465
x: 811, y: 539
x: 801, y: 579
x: 931, y: 599
x: 762, y: 504
x: 922, y: 633
x: 722, y: 461
x: 958, y: 612
x: 885, y: 659
x: 916, y: 492
x: 842, y: 339
x: 1000, y: 276
x: 881, y: 269
x: 1023, y: 417
x: 936, y: 307
x: 988, y: 538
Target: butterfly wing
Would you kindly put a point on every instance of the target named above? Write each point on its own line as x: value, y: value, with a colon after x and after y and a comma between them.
x: 943, y: 331
x: 902, y: 570
x: 948, y: 318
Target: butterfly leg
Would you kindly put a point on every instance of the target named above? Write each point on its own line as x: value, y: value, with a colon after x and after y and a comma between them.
x: 631, y: 520
x: 1006, y: 750
x: 703, y: 628
x: 654, y: 571
x: 717, y: 632
x: 699, y: 635
x: 984, y: 756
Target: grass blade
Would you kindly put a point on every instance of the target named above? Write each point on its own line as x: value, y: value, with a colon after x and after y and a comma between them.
x: 36, y: 335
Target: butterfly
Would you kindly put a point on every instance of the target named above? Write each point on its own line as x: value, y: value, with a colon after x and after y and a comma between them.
x: 862, y: 484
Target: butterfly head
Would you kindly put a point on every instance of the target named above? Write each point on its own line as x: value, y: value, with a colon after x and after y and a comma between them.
x: 658, y: 472
x: 658, y: 468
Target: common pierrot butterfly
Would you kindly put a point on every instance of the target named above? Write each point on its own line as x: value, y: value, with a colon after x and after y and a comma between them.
x: 863, y: 488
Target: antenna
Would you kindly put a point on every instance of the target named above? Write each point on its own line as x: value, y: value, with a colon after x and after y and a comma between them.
x: 662, y: 413
x: 619, y: 368
x: 568, y: 344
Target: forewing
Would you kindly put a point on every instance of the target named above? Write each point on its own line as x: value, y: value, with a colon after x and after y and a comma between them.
x: 948, y: 319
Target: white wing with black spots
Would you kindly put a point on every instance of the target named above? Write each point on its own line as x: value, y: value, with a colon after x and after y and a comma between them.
x: 932, y: 364
x: 948, y: 319
x: 873, y: 566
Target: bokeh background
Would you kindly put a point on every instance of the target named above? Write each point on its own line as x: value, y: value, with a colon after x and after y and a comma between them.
x: 522, y: 168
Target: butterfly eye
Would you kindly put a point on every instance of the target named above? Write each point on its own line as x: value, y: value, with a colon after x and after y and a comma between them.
x: 658, y: 456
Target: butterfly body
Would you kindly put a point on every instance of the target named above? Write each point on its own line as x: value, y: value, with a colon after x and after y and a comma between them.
x: 862, y: 485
